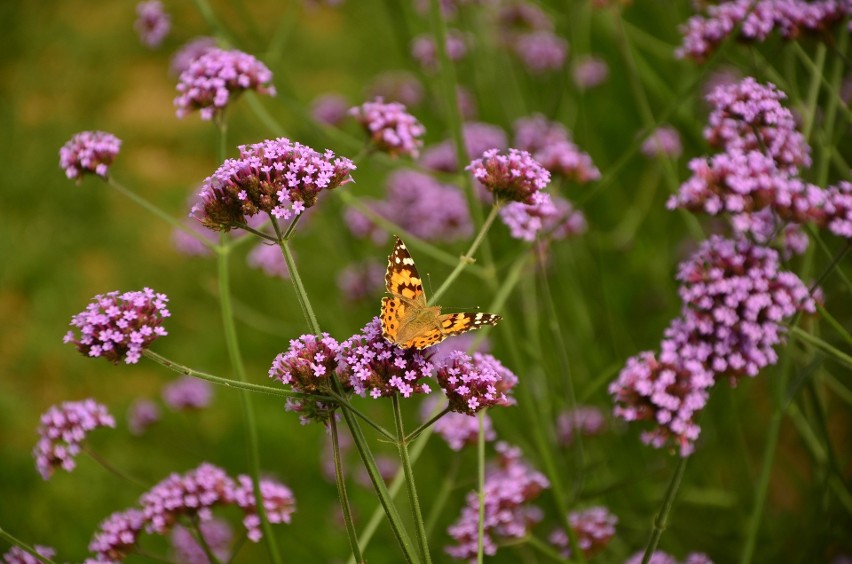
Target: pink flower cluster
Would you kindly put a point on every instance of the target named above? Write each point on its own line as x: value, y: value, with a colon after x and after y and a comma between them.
x: 20, y: 556
x: 549, y: 216
x: 510, y: 486
x: 215, y: 77
x: 62, y: 431
x: 361, y: 280
x: 478, y: 138
x: 117, y: 536
x: 475, y: 383
x: 276, y: 176
x: 541, y: 51
x: 217, y: 535
x: 141, y: 414
x: 584, y: 420
x: 268, y: 258
x: 594, y: 528
x: 460, y: 430
x: 89, y: 152
x: 391, y: 128
x: 152, y: 22
x: 702, y: 34
x: 425, y: 50
x: 189, y: 52
x: 663, y: 142
x: 188, y: 393
x: 551, y: 145
x: 513, y: 176
x: 589, y: 72
x: 330, y: 109
x: 120, y: 326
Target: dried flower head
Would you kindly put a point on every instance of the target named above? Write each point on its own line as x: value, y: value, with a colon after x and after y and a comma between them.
x: 89, y: 152
x: 513, y: 176
x: 188, y: 393
x: 120, y: 326
x: 152, y: 23
x: 63, y: 429
x: 390, y: 127
x: 475, y: 383
x: 594, y: 528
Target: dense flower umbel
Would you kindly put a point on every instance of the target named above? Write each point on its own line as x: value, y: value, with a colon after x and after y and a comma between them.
x: 20, y: 556
x: 63, y: 429
x: 594, y: 528
x: 668, y: 394
x: 541, y: 51
x: 457, y: 429
x: 551, y: 145
x: 475, y: 383
x: 277, y: 176
x: 152, y: 22
x: 663, y: 142
x: 391, y: 128
x: 217, y: 534
x: 424, y: 49
x: 187, y: 393
x: 278, y: 504
x: 371, y: 364
x: 120, y: 326
x: 660, y: 557
x: 748, y: 116
x: 117, y: 536
x: 513, y: 176
x: 308, y: 367
x: 215, y: 77
x: 89, y: 152
x: 766, y: 228
x: 550, y: 216
x: 141, y: 414
x: 189, y: 52
x: 510, y: 486
x: 584, y: 420
x: 735, y: 301
x: 758, y: 19
x: 478, y: 138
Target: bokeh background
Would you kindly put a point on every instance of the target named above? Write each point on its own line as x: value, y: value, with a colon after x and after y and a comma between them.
x: 75, y: 65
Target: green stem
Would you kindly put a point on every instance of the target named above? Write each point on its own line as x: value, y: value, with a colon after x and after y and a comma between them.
x: 832, y: 105
x: 544, y: 548
x: 237, y: 365
x: 341, y: 492
x: 112, y: 469
x: 480, y: 485
x: 439, y: 500
x: 432, y: 420
x: 834, y: 324
x: 202, y: 542
x: 838, y: 355
x: 23, y: 546
x: 772, y: 434
x: 301, y: 294
x: 813, y: 91
x: 661, y: 521
x: 342, y: 402
x: 467, y: 258
x: 413, y: 500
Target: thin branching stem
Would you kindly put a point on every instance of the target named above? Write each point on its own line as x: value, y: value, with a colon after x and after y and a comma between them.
x: 661, y: 520
x: 8, y: 537
x: 341, y: 491
x: 432, y: 420
x: 413, y: 499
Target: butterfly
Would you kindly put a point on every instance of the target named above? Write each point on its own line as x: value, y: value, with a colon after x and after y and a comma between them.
x: 407, y: 318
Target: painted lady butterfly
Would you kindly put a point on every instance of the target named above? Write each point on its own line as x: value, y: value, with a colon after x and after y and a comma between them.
x: 407, y: 318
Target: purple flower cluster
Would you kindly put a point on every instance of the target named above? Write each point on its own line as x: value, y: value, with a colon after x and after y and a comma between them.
x: 702, y: 34
x: 457, y: 429
x: 120, y: 326
x: 549, y: 216
x: 519, y: 18
x: 839, y: 216
x: 541, y: 51
x: 62, y: 431
x: 278, y: 504
x: 89, y: 152
x: 425, y: 51
x: 397, y: 86
x: 215, y: 77
x: 362, y: 280
x: 660, y: 557
x: 308, y: 367
x: 663, y: 142
x: 217, y: 535
x: 189, y: 52
x: 513, y: 176
x: 594, y: 528
x: 20, y: 556
x: 475, y: 383
x: 589, y: 72
x: 276, y: 176
x: 478, y: 138
x: 371, y: 364
x: 117, y: 536
x: 330, y: 109
x: 551, y: 145
x: 584, y: 420
x: 152, y: 22
x: 391, y: 128
x: 188, y: 393
x: 427, y: 208
x: 141, y: 414
x: 509, y: 488
x: 269, y: 259
x: 442, y: 351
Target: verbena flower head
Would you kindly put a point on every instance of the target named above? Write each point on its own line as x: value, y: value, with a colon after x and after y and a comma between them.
x: 397, y: 86
x: 510, y: 486
x: 513, y: 176
x: 214, y: 78
x: 541, y: 51
x: 736, y: 299
x: 660, y: 557
x: 269, y: 259
x: 141, y: 414
x: 475, y: 383
x: 279, y: 504
x: 425, y: 51
x: 308, y: 367
x: 478, y: 138
x: 441, y: 352
x: 391, y: 128
x: 188, y: 393
x: 120, y: 326
x: 663, y: 142
x: 589, y: 72
x: 668, y: 394
x: 457, y: 429
x: 89, y: 152
x: 189, y: 52
x: 17, y: 555
x: 839, y: 209
x: 373, y: 365
x: 362, y: 280
x: 63, y: 429
x: 277, y: 176
x: 193, y: 494
x: 748, y: 116
x: 330, y: 109
x: 594, y: 528
x: 217, y: 535
x: 585, y: 420
x: 152, y: 22
x: 550, y: 216
x: 551, y: 145
x: 117, y: 536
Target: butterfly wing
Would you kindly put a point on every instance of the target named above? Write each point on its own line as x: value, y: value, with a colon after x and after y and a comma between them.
x: 393, y: 316
x: 402, y: 279
x: 457, y: 323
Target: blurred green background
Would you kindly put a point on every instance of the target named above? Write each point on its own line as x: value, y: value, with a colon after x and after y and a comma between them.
x: 76, y: 65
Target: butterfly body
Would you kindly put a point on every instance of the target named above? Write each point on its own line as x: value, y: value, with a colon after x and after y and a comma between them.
x: 407, y: 318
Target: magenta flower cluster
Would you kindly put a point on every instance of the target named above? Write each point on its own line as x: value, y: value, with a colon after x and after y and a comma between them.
x: 757, y: 19
x: 551, y: 217
x: 189, y: 52
x: 152, y: 22
x: 17, y: 555
x: 427, y: 208
x: 63, y: 429
x: 217, y: 535
x: 188, y: 393
x: 513, y: 176
x: 594, y: 528
x: 390, y: 127
x: 585, y: 420
x: 217, y: 76
x: 663, y: 142
x: 460, y: 430
x: 509, y: 488
x: 541, y: 51
x: 475, y: 383
x: 89, y: 152
x: 590, y: 71
x: 118, y: 326
x: 551, y: 145
x: 117, y: 536
x: 425, y: 51
x: 478, y: 137
x: 276, y: 177
x: 141, y: 414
